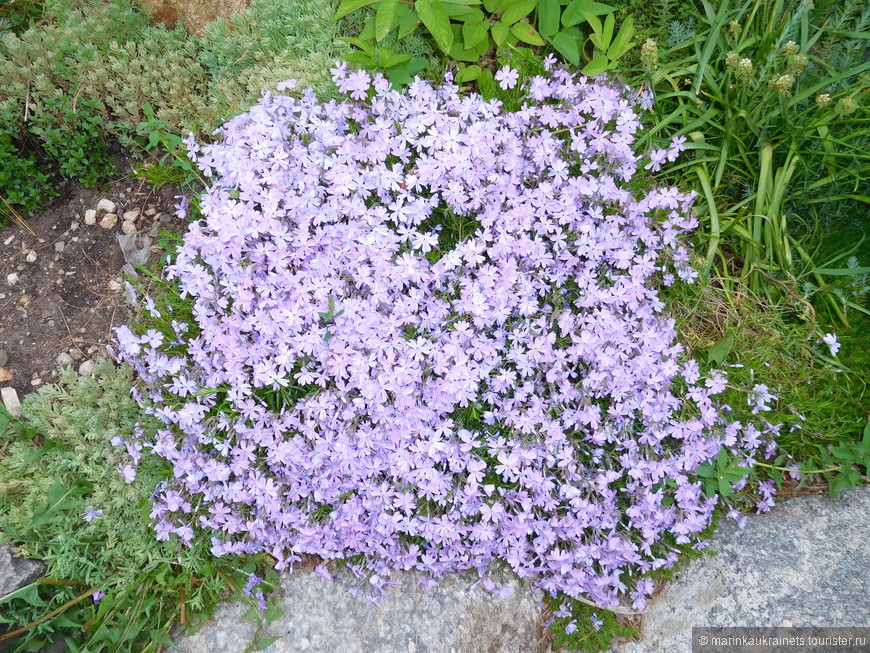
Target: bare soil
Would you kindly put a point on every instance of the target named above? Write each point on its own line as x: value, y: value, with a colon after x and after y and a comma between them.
x: 62, y: 290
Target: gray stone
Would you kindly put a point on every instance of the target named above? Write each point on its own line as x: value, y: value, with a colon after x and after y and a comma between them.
x: 106, y: 205
x: 64, y: 359
x: 16, y: 572
x: 91, y: 217
x: 4, y: 357
x: 109, y: 220
x: 324, y: 616
x: 86, y: 368
x: 9, y: 397
x: 807, y: 563
x: 59, y: 246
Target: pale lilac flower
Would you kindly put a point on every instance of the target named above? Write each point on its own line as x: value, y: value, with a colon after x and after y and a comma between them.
x: 91, y: 513
x: 830, y: 339
x: 571, y: 627
x: 596, y: 622
x: 507, y: 77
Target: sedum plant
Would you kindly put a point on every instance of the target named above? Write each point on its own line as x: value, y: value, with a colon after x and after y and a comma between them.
x: 412, y: 331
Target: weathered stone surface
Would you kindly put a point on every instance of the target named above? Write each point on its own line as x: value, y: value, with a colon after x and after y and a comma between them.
x: 16, y: 572
x: 807, y: 563
x: 194, y: 14
x: 323, y: 617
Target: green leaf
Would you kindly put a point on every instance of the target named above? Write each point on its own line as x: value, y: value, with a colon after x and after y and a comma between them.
x: 518, y: 9
x: 500, y: 32
x: 363, y: 45
x: 264, y: 642
x: 468, y: 74
x: 408, y: 24
x: 573, y: 14
x: 842, y: 272
x: 474, y: 33
x: 597, y: 66
x: 718, y: 352
x: 490, y: 5
x: 384, y: 18
x: 566, y: 45
x: 705, y: 470
x: 622, y: 43
x: 60, y: 498
x: 527, y: 34
x: 349, y: 6
x: 404, y: 73
x: 486, y: 84
x: 28, y: 593
x: 395, y: 60
x: 464, y: 54
x: 548, y: 17
x: 435, y: 19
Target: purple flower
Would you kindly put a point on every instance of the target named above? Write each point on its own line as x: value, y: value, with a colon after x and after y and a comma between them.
x: 596, y: 622
x: 91, y: 513
x: 507, y: 77
x: 830, y: 339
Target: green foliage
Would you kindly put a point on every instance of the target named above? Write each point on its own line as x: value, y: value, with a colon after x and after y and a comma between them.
x: 819, y: 399
x: 17, y: 15
x: 23, y: 186
x: 72, y: 134
x: 271, y: 42
x: 769, y: 121
x: 58, y: 463
x: 477, y: 32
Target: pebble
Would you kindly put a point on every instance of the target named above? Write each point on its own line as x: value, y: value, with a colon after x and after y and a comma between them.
x: 114, y: 286
x: 86, y: 368
x: 10, y: 400
x: 91, y: 217
x: 150, y: 211
x: 36, y: 381
x: 73, y: 226
x: 64, y: 359
x: 59, y: 246
x: 5, y: 375
x: 30, y: 257
x: 131, y: 215
x: 106, y: 205
x: 109, y: 220
x: 12, y: 278
x: 4, y: 357
x: 128, y: 227
x: 76, y: 353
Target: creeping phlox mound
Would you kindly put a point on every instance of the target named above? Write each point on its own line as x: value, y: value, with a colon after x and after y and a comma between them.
x: 423, y: 333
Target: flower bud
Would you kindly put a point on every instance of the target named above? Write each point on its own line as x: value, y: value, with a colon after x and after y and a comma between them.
x: 735, y: 28
x: 846, y: 105
x: 649, y: 54
x: 783, y: 83
x: 823, y: 99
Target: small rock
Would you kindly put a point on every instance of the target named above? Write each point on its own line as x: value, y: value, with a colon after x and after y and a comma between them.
x: 9, y: 240
x: 35, y: 382
x: 5, y: 375
x: 12, y: 278
x: 91, y: 217
x: 64, y: 359
x: 86, y: 368
x: 24, y: 301
x: 114, y: 286
x: 76, y: 353
x: 128, y: 227
x: 106, y: 205
x: 59, y: 246
x: 10, y: 400
x: 30, y: 257
x: 4, y: 357
x: 109, y: 220
x: 132, y: 215
x: 73, y: 226
x: 150, y: 211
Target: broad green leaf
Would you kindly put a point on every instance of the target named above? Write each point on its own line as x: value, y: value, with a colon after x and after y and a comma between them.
x: 384, y: 18
x: 408, y: 24
x: 435, y: 19
x: 395, y: 60
x: 527, y: 34
x: 573, y: 14
x: 349, y: 6
x: 566, y: 45
x: 548, y: 17
x: 490, y: 5
x: 517, y: 9
x: 404, y: 73
x: 500, y: 32
x: 28, y: 593
x: 597, y: 66
x: 463, y: 14
x: 622, y: 43
x: 468, y: 74
x: 463, y: 54
x: 474, y: 33
x: 608, y: 31
x: 718, y: 352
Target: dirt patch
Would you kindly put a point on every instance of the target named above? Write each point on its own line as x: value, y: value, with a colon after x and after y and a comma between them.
x: 62, y: 290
